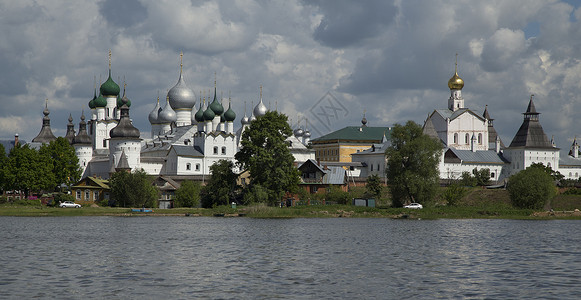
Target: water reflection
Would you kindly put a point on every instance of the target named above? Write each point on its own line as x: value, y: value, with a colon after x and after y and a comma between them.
x: 242, y: 258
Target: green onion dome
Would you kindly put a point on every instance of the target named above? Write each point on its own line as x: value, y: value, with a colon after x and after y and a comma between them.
x: 209, y: 114
x: 230, y: 115
x: 109, y: 87
x: 100, y: 101
x: 216, y: 106
x: 199, y: 116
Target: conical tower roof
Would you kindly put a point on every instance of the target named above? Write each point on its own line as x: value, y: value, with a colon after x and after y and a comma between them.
x: 82, y: 138
x: 45, y: 135
x: 531, y: 133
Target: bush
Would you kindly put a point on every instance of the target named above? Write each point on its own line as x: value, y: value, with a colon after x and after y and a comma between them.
x: 453, y: 194
x: 61, y: 197
x: 531, y: 188
x: 335, y: 194
x: 27, y: 202
x: 482, y: 176
x: 467, y: 179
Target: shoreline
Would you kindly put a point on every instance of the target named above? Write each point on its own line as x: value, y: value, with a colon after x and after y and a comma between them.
x: 331, y: 211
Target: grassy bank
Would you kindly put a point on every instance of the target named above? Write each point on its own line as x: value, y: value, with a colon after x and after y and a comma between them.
x: 477, y: 204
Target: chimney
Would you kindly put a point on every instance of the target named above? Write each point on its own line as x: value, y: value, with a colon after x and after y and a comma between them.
x: 16, y: 140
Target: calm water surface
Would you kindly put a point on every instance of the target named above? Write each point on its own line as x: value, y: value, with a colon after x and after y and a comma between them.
x: 242, y: 258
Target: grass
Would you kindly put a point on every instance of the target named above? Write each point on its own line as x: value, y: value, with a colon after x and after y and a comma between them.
x: 477, y: 204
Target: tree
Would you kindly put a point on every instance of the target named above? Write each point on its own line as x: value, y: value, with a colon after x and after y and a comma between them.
x: 531, y: 188
x: 3, y: 162
x: 133, y: 189
x: 221, y: 187
x: 65, y: 164
x: 412, y: 168
x: 557, y: 176
x: 188, y: 195
x: 28, y: 171
x: 265, y: 154
x: 373, y: 186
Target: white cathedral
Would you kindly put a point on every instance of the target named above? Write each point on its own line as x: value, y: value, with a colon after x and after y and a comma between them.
x: 184, y: 142
x: 470, y: 141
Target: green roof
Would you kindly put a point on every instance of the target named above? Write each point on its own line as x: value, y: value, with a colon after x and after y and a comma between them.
x: 355, y: 134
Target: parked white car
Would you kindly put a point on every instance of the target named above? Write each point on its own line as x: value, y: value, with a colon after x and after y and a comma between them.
x: 69, y: 204
x: 414, y: 206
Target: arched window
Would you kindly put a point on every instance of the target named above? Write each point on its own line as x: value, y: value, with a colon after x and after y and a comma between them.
x: 467, y: 138
x: 197, y: 167
x: 215, y: 150
x: 223, y: 150
x: 188, y: 166
x: 455, y: 138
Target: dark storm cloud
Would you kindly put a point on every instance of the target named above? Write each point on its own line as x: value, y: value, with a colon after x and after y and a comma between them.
x: 347, y: 23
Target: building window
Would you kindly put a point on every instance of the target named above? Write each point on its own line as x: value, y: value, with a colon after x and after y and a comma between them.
x: 455, y: 138
x: 480, y: 138
x: 492, y: 175
x: 87, y: 195
x: 467, y: 138
x: 78, y: 194
x: 105, y: 143
x: 95, y: 196
x: 197, y: 167
x: 371, y: 167
x: 215, y: 150
x: 223, y: 150
x: 188, y: 166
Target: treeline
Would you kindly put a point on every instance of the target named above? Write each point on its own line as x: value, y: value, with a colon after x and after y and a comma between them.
x: 44, y: 170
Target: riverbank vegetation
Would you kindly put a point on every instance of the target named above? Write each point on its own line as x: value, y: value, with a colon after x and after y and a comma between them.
x: 478, y: 203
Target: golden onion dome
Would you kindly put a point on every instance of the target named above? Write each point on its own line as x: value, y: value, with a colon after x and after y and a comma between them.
x: 456, y: 83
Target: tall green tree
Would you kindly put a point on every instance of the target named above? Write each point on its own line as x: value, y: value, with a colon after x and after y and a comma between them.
x: 28, y: 171
x: 65, y: 164
x: 3, y: 161
x: 412, y: 168
x: 373, y: 186
x: 265, y: 154
x: 221, y: 188
x: 188, y: 194
x: 133, y: 189
x: 531, y: 188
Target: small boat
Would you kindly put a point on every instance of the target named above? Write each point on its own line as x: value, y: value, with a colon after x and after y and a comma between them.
x: 141, y: 210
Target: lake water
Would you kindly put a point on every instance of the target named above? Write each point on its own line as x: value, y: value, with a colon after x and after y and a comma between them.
x: 243, y: 258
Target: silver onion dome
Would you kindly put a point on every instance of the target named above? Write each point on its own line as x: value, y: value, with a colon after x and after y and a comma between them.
x: 154, y: 114
x: 307, y: 133
x: 167, y: 114
x: 299, y: 132
x: 260, y: 109
x: 180, y: 96
x: 244, y: 120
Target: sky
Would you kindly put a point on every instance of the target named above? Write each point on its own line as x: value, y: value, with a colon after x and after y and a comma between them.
x: 322, y: 63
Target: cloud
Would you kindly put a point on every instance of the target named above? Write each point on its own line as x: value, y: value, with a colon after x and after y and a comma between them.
x: 502, y: 49
x: 348, y: 23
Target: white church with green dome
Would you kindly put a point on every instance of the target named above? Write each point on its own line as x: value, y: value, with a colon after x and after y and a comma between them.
x: 184, y: 142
